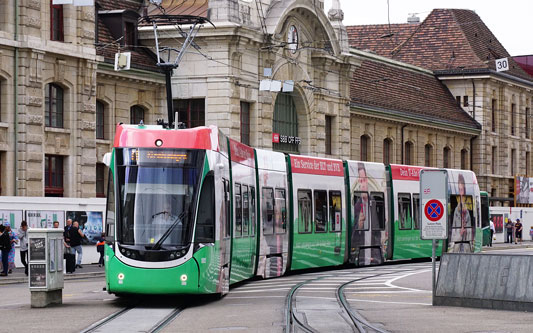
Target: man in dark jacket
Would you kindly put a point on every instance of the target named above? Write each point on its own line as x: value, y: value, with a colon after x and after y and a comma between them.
x: 5, y: 247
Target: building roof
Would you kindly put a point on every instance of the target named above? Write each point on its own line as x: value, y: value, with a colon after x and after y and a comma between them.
x: 406, y: 92
x: 183, y: 7
x: 379, y: 38
x: 106, y: 44
x: 447, y: 41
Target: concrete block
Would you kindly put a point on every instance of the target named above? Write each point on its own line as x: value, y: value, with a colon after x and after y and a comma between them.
x: 42, y: 299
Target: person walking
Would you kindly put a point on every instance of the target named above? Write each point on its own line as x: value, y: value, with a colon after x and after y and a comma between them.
x: 13, y: 238
x: 492, y: 232
x: 76, y: 236
x: 518, y: 231
x: 23, y: 238
x: 5, y: 247
x: 509, y: 228
x: 100, y: 249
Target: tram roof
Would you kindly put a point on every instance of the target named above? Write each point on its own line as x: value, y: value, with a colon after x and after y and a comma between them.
x: 146, y: 136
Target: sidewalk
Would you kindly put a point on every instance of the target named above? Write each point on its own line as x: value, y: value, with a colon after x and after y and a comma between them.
x: 88, y: 271
x: 507, y: 246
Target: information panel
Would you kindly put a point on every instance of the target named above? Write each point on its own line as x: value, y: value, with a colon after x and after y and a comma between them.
x: 434, y: 203
x: 37, y: 249
x: 37, y: 275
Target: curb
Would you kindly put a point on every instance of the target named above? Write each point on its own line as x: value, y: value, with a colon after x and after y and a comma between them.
x: 24, y: 279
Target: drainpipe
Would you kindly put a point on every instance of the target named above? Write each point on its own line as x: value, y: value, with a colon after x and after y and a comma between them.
x: 474, y: 116
x: 403, y: 144
x: 15, y: 94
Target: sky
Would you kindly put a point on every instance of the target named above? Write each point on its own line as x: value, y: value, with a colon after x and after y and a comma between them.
x: 510, y: 21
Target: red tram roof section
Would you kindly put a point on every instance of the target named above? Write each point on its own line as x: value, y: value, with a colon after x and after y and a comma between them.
x: 131, y: 136
x: 241, y: 153
x: 316, y: 166
x: 405, y: 172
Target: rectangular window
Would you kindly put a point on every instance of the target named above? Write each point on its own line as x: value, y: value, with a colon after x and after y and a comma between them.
x: 305, y: 214
x: 321, y: 211
x: 416, y: 211
x: 527, y: 122
x: 245, y: 123
x: 245, y: 210
x: 494, y: 159
x: 465, y: 101
x: 191, y: 112
x: 226, y: 208
x: 404, y: 210
x: 100, y: 120
x: 100, y: 180
x: 130, y: 35
x: 328, y: 133
x: 53, y: 176
x: 493, y: 115
x: 252, y: 210
x: 56, y: 22
x: 268, y: 211
x: 513, y: 162
x: 528, y: 156
x: 53, y: 108
x: 458, y: 99
x: 360, y: 205
x: 238, y: 211
x: 377, y: 210
x: 280, y: 212
x: 335, y: 211
x: 513, y: 116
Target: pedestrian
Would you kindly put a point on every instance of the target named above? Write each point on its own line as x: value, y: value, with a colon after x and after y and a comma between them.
x: 13, y: 238
x: 76, y: 236
x: 23, y: 238
x: 56, y: 224
x: 518, y: 231
x: 5, y: 247
x: 492, y: 232
x: 100, y: 249
x: 509, y: 228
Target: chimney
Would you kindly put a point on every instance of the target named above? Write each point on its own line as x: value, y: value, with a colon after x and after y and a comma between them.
x: 413, y: 19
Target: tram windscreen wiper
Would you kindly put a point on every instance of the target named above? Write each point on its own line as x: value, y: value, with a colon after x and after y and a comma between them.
x: 167, y: 233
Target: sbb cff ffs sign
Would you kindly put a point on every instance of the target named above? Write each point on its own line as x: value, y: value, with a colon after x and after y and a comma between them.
x: 434, y: 201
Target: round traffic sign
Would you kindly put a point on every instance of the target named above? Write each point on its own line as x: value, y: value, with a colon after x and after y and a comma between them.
x: 434, y: 210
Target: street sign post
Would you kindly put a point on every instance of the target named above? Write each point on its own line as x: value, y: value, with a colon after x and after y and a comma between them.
x: 434, y: 210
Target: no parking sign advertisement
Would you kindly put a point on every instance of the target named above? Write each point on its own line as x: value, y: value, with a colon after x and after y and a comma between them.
x: 434, y: 203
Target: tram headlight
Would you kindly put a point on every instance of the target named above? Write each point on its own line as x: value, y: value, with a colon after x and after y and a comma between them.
x: 172, y: 256
x: 158, y: 142
x: 183, y: 252
x: 183, y: 278
x: 120, y: 276
x: 128, y: 254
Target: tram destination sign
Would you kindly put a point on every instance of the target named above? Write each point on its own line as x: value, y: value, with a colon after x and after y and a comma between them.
x: 434, y: 203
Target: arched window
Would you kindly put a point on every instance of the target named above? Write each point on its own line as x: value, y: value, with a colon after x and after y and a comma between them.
x: 428, y: 152
x: 365, y: 141
x: 285, y: 124
x: 100, y: 120
x: 136, y: 114
x: 446, y: 157
x: 464, y: 159
x: 53, y: 108
x: 408, y: 153
x: 387, y: 151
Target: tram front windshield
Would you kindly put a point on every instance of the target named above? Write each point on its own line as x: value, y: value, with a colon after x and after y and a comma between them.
x: 157, y: 189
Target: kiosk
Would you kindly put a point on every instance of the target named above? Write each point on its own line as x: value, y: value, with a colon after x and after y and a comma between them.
x: 45, y: 266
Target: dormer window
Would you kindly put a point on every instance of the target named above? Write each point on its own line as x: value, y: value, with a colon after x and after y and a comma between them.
x: 130, y: 34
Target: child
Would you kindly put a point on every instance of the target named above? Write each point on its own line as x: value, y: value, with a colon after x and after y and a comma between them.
x: 100, y: 249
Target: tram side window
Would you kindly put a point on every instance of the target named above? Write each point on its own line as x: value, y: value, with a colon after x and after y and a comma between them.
x: 280, y: 212
x: 226, y: 208
x: 205, y: 225
x: 321, y: 211
x: 404, y: 210
x: 238, y: 211
x: 305, y: 215
x: 416, y: 211
x: 110, y: 215
x: 335, y: 211
x: 360, y: 205
x: 252, y: 210
x: 245, y: 211
x: 377, y: 208
x: 268, y: 211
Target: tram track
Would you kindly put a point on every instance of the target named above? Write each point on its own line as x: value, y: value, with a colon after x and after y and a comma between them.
x: 142, y: 319
x: 295, y: 322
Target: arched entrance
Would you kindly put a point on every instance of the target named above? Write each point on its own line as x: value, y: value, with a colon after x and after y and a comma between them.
x: 285, y: 125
